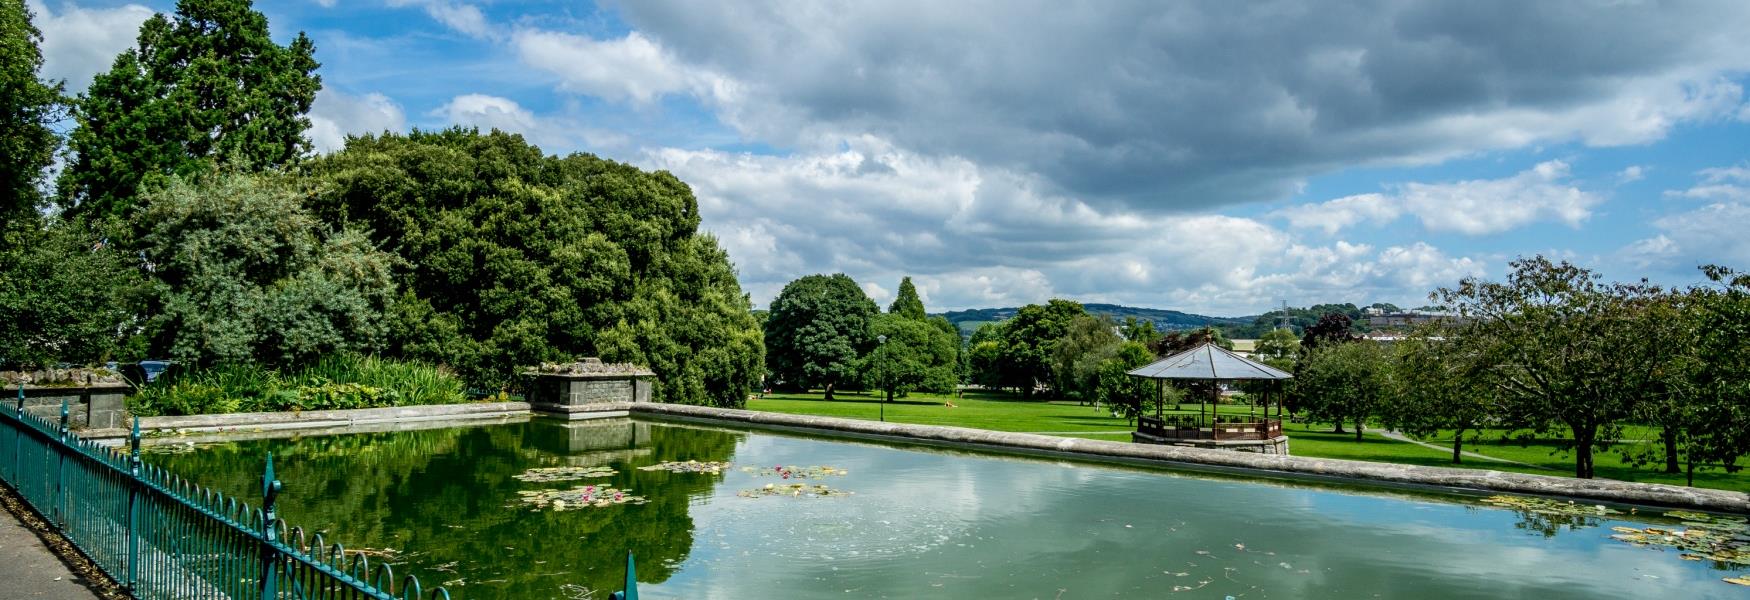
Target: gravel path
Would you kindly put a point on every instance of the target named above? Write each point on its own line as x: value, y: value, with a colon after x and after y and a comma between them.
x: 29, y: 570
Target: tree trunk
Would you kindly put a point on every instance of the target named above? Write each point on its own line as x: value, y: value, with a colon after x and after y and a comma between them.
x: 1458, y: 447
x: 829, y: 392
x: 1583, y: 457
x: 1691, y: 470
x: 1358, y: 428
x: 1670, y: 436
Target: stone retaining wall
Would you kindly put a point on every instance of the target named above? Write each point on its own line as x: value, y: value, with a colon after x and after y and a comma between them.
x: 97, y: 406
x: 323, y: 419
x: 1603, y: 490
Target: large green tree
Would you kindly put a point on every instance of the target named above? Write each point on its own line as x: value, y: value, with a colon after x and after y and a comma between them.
x: 1345, y: 383
x: 512, y: 257
x: 1441, y: 386
x: 243, y: 273
x: 1563, y: 350
x: 205, y: 85
x: 909, y: 355
x: 1076, y: 357
x: 1721, y: 403
x: 818, y: 331
x: 1028, y: 342
x: 28, y: 107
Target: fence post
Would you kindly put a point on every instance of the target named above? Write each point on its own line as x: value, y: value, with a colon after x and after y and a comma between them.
x: 60, y: 506
x: 270, y: 491
x: 631, y: 591
x: 134, y: 505
x: 18, y: 438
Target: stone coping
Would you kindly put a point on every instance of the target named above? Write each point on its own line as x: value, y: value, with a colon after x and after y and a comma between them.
x: 320, y: 419
x: 1602, y: 490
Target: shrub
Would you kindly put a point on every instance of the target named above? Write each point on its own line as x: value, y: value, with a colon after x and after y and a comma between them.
x: 333, y: 382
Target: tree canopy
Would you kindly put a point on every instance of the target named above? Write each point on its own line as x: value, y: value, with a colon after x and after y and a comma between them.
x: 207, y: 85
x: 28, y: 108
x: 818, y: 331
x: 511, y: 257
x: 907, y: 303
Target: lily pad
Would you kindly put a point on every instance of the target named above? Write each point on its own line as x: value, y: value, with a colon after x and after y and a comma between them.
x: 583, y: 496
x: 1745, y: 580
x: 691, y: 466
x: 1721, y: 539
x: 794, y: 472
x: 545, y: 474
x: 800, y: 490
x: 1546, y: 506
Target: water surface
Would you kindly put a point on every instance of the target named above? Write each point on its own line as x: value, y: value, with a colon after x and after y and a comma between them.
x: 922, y: 523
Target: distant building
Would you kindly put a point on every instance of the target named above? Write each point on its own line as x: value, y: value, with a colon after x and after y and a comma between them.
x: 1381, y: 319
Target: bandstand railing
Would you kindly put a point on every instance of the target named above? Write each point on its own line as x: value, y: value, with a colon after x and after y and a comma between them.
x: 164, y: 537
x: 1204, y: 427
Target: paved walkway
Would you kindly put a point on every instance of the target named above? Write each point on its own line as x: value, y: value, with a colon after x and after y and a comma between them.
x: 1467, y: 454
x: 29, y: 570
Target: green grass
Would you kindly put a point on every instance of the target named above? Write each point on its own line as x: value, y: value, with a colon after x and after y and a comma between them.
x: 1006, y: 412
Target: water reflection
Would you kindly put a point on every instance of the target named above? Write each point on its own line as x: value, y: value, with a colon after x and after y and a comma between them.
x: 922, y: 524
x: 443, y: 498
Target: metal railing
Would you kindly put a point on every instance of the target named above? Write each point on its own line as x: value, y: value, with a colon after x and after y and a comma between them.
x: 1200, y: 427
x: 164, y: 537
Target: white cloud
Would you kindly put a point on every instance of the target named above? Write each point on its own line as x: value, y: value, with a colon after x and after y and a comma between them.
x: 334, y: 115
x: 1709, y: 234
x: 629, y: 68
x: 974, y: 236
x: 78, y: 43
x: 461, y: 17
x: 1342, y: 213
x: 1632, y: 173
x: 487, y: 112
x: 1474, y: 207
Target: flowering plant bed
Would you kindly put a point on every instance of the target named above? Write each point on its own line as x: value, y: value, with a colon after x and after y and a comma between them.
x: 691, y: 466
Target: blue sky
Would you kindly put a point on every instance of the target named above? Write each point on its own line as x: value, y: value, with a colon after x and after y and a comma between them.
x: 1205, y: 156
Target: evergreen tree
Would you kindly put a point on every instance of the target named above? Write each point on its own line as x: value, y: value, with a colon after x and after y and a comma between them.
x: 27, y: 107
x: 207, y: 85
x: 907, y: 304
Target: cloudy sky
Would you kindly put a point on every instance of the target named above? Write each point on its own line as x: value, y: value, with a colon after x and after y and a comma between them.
x: 1214, y: 157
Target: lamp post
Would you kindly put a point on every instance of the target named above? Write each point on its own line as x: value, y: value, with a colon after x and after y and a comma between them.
x: 886, y: 387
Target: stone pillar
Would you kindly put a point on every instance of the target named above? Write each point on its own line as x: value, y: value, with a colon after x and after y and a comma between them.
x: 588, y: 389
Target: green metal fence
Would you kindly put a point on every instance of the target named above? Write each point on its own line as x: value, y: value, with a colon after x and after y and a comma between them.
x: 164, y: 537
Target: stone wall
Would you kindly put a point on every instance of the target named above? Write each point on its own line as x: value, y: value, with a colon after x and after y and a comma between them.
x: 98, y: 406
x: 586, y: 389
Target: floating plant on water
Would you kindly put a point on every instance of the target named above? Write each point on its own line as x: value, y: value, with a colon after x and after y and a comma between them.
x: 794, y: 472
x: 1545, y: 506
x: 1724, y: 540
x: 583, y: 496
x: 545, y: 474
x: 800, y: 490
x: 691, y: 466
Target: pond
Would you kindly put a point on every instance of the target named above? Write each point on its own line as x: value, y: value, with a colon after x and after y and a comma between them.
x: 461, y: 507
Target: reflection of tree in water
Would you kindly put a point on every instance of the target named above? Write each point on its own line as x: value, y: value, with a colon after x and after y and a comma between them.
x: 445, y: 498
x: 1549, y: 524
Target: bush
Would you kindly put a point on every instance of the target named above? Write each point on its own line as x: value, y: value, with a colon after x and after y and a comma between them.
x: 334, y: 382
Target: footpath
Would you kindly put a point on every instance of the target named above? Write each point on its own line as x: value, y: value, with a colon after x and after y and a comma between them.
x: 28, y: 569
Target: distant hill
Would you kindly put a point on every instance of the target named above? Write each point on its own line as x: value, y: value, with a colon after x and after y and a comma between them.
x: 971, y: 319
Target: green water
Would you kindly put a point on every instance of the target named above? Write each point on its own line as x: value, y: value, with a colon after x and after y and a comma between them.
x: 922, y: 523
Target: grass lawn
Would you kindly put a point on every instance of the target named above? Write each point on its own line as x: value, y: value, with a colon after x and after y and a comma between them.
x: 1006, y: 412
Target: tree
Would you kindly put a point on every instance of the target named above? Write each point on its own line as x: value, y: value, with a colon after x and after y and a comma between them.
x: 907, y: 303
x: 1126, y: 395
x: 1561, y: 349
x: 1029, y: 339
x: 28, y: 109
x: 1180, y: 341
x: 1076, y: 356
x: 1440, y: 386
x: 818, y: 331
x: 511, y: 257
x: 1344, y: 383
x: 207, y: 85
x: 1139, y: 330
x: 1332, y: 328
x: 1721, y: 402
x: 910, y: 355
x: 66, y: 296
x: 241, y: 272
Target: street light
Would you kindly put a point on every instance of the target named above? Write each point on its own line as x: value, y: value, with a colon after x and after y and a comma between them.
x: 882, y: 340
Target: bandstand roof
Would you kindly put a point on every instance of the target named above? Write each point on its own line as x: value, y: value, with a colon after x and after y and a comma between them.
x: 1208, y: 361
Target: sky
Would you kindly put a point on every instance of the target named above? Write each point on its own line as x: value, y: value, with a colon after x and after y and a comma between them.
x: 1207, y: 156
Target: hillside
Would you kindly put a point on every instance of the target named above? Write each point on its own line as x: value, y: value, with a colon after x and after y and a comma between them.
x: 969, y: 320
